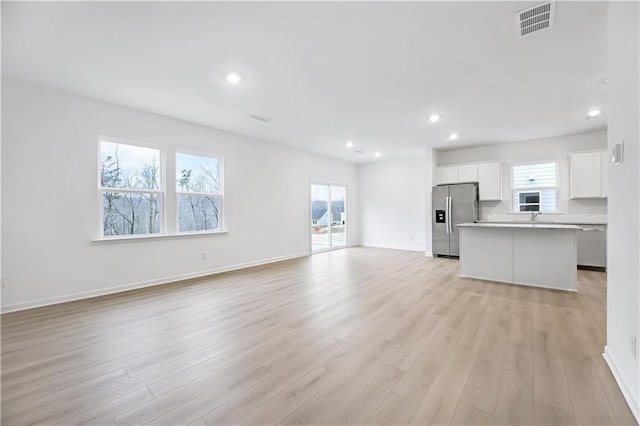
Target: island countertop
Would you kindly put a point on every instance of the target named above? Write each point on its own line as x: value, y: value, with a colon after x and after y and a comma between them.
x: 521, y: 225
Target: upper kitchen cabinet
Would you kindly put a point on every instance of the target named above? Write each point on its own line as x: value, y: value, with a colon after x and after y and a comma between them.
x: 490, y: 179
x: 589, y: 174
x: 488, y: 175
x: 468, y: 173
x: 447, y: 174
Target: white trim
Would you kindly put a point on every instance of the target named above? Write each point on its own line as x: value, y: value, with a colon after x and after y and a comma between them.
x: 209, y: 194
x: 132, y: 190
x: 219, y: 194
x: 161, y: 191
x: 126, y: 141
x: 428, y: 254
x: 142, y: 284
x: 533, y: 188
x: 346, y: 212
x: 392, y: 247
x: 631, y: 402
x: 135, y: 237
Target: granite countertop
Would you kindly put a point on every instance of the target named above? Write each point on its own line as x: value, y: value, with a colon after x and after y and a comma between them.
x: 521, y: 225
x: 552, y: 222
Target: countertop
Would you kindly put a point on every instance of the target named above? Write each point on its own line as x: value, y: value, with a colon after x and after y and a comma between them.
x: 518, y: 225
x: 553, y: 222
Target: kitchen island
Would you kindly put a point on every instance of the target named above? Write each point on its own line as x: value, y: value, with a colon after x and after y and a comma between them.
x: 535, y: 254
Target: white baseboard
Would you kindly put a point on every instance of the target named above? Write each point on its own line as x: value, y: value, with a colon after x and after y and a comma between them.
x: 428, y: 254
x: 142, y: 284
x: 392, y: 247
x: 626, y: 392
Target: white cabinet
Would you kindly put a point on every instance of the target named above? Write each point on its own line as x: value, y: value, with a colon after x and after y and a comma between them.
x: 448, y: 174
x: 490, y: 181
x: 468, y: 173
x: 541, y: 257
x: 604, y: 169
x: 589, y: 174
x: 488, y: 175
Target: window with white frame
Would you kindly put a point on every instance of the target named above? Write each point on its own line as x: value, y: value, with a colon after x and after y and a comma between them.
x: 131, y: 188
x: 199, y: 192
x: 535, y: 187
x: 134, y: 199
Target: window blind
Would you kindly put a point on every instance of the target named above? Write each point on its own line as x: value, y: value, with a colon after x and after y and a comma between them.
x: 534, y: 175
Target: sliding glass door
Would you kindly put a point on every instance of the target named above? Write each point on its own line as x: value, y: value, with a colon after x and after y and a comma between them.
x: 328, y: 216
x: 338, y: 234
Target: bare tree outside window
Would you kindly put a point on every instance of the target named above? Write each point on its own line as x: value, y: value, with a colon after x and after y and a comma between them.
x: 130, y: 184
x: 199, y: 192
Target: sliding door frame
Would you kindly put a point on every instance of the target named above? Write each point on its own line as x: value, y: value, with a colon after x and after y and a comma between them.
x: 346, y: 211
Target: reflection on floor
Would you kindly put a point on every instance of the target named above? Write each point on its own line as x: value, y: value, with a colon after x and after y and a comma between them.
x: 344, y: 337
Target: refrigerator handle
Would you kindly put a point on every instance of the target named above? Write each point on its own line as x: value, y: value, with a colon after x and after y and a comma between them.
x: 448, y: 214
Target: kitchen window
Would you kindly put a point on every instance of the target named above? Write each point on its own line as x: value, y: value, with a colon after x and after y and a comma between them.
x: 535, y: 187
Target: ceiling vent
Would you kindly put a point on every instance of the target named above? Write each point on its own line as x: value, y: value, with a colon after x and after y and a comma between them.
x: 262, y: 118
x: 535, y: 18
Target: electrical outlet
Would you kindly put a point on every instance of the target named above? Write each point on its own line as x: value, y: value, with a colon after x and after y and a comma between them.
x: 297, y: 242
x: 633, y: 346
x: 203, y: 255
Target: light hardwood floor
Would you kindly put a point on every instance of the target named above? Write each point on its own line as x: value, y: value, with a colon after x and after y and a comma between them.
x: 356, y: 336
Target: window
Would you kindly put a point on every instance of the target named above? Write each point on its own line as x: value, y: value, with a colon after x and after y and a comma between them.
x: 535, y: 187
x: 199, y: 192
x: 134, y: 199
x: 131, y: 189
x: 529, y: 201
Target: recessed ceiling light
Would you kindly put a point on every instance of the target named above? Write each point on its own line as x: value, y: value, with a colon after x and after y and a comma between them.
x: 434, y: 118
x: 453, y: 136
x: 349, y: 144
x: 377, y: 154
x: 593, y: 113
x: 233, y: 78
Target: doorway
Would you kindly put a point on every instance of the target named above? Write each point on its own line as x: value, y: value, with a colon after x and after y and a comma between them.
x: 328, y: 216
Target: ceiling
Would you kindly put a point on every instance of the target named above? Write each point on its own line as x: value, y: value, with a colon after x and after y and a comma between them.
x: 326, y: 72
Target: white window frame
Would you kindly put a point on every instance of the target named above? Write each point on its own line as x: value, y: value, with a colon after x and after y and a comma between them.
x: 220, y: 194
x: 161, y: 191
x: 515, y: 191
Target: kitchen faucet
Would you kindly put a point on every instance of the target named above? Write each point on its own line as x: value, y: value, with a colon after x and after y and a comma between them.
x: 534, y: 215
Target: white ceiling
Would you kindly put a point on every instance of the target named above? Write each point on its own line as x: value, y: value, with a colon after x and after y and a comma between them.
x: 326, y: 72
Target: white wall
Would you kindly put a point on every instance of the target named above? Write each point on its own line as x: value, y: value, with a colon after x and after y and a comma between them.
x: 556, y: 148
x: 623, y: 280
x: 431, y: 160
x: 49, y: 189
x: 392, y: 204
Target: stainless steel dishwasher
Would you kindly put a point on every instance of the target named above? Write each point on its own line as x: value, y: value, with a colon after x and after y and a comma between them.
x: 592, y: 246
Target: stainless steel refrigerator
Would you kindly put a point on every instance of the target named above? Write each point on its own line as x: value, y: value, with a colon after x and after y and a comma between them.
x: 452, y: 205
